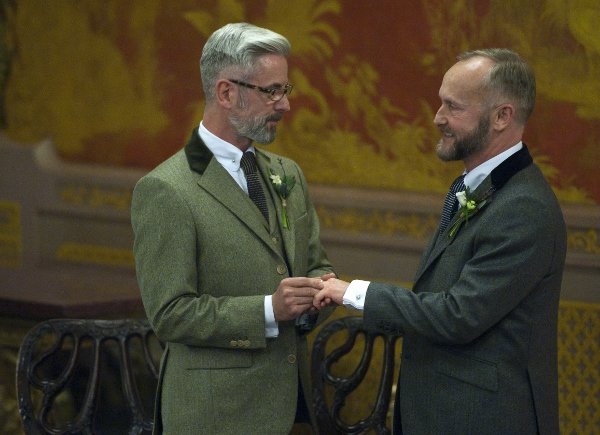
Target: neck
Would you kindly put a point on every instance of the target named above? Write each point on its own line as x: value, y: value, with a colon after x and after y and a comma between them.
x: 218, y: 124
x: 497, y: 145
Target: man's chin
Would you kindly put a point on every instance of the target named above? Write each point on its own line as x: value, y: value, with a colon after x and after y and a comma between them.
x: 446, y: 149
x: 265, y: 140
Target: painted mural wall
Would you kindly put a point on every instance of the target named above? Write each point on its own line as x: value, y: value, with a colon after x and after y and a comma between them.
x: 117, y: 82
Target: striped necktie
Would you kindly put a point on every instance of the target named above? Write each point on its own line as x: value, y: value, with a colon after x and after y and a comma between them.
x: 255, y: 190
x: 451, y: 202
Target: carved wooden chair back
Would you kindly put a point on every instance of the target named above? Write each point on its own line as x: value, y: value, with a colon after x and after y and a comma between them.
x: 329, y: 404
x: 88, y: 376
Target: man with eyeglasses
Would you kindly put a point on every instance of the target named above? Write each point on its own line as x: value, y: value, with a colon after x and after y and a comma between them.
x: 228, y: 255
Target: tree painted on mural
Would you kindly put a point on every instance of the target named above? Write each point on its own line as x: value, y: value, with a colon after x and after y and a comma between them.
x: 117, y: 82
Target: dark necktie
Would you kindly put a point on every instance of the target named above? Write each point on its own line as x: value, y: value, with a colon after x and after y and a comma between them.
x: 255, y: 190
x: 451, y: 202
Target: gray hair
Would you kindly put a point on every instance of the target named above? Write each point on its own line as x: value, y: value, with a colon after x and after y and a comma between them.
x: 234, y: 50
x: 510, y: 78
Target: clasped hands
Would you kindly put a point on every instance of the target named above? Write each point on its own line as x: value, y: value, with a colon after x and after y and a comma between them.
x: 300, y: 295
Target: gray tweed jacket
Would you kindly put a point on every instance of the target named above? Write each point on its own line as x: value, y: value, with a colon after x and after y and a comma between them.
x: 479, y: 353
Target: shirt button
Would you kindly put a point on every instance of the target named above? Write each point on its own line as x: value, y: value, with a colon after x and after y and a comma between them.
x: 233, y: 343
x: 291, y: 358
x: 281, y: 270
x: 358, y: 297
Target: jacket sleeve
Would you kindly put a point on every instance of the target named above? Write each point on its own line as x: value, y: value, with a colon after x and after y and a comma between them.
x: 166, y: 255
x: 505, y: 253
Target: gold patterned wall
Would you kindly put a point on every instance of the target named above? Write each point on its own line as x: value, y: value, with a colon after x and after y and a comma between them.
x: 579, y: 368
x: 117, y: 82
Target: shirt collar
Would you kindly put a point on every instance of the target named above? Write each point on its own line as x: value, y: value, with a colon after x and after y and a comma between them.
x: 474, y: 177
x: 226, y: 154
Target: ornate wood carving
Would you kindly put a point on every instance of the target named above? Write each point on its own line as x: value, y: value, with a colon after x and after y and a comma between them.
x: 328, y: 414
x: 59, y: 356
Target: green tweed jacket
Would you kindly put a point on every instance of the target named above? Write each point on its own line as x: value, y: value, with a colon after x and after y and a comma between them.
x: 205, y: 259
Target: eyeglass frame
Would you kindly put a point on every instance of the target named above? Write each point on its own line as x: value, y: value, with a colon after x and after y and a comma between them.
x: 287, y: 89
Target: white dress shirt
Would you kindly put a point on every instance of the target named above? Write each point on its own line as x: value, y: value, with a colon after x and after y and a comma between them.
x: 229, y: 157
x: 356, y: 292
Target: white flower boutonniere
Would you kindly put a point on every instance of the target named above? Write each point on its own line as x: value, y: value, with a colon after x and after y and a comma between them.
x: 468, y: 207
x: 283, y: 186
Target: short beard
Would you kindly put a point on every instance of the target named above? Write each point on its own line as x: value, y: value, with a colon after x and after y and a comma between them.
x: 254, y: 128
x: 468, y: 145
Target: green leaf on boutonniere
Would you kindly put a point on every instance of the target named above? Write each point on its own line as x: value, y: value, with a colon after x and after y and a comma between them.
x: 469, y: 206
x: 283, y: 185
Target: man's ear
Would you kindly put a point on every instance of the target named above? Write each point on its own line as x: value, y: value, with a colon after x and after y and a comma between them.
x: 225, y: 93
x: 503, y: 117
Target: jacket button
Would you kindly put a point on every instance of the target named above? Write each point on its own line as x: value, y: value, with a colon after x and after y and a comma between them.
x: 233, y: 343
x: 240, y: 343
x: 291, y: 358
x: 246, y: 343
x: 281, y: 270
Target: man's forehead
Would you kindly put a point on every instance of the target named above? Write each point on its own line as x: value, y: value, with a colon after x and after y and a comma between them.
x: 465, y: 76
x: 272, y: 70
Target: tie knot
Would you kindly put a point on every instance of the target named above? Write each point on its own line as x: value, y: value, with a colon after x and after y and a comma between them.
x: 451, y: 202
x: 458, y: 185
x: 248, y: 163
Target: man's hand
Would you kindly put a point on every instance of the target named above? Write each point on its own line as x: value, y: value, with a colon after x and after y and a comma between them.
x: 328, y: 276
x: 294, y: 297
x: 332, y: 293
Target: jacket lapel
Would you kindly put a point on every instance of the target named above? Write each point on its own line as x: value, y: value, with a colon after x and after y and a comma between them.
x: 496, y: 180
x: 287, y: 234
x: 216, y: 181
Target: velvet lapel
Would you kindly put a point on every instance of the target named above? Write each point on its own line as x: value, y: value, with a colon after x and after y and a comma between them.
x: 217, y: 182
x: 496, y: 180
x: 288, y: 234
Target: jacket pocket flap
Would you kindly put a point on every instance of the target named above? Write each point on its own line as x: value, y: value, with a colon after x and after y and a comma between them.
x: 214, y: 358
x: 473, y: 371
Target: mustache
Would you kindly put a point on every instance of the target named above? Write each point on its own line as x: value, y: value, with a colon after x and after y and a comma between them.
x: 277, y: 117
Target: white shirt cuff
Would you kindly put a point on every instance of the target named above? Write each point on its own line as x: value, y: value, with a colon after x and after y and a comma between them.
x: 271, y: 327
x: 356, y: 292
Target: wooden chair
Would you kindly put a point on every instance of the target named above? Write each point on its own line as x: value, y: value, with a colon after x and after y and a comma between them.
x: 88, y: 376
x: 328, y: 407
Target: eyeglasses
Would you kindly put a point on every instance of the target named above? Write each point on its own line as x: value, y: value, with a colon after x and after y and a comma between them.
x: 274, y: 94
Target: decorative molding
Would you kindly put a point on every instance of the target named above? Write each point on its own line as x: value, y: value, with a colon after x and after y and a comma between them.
x: 406, y: 220
x: 95, y: 196
x: 355, y: 220
x: 584, y: 241
x: 93, y: 254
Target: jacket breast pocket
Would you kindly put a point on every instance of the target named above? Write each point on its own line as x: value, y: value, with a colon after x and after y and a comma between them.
x: 454, y: 249
x: 470, y: 370
x: 216, y: 358
x: 301, y: 226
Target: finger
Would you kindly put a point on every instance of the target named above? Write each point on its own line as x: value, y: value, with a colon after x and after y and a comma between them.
x: 302, y: 284
x: 328, y: 276
x: 303, y: 301
x: 302, y: 292
x: 319, y: 297
x: 325, y: 302
x: 311, y: 310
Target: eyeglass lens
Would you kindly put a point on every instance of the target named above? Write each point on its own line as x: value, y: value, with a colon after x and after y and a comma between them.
x: 277, y: 94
